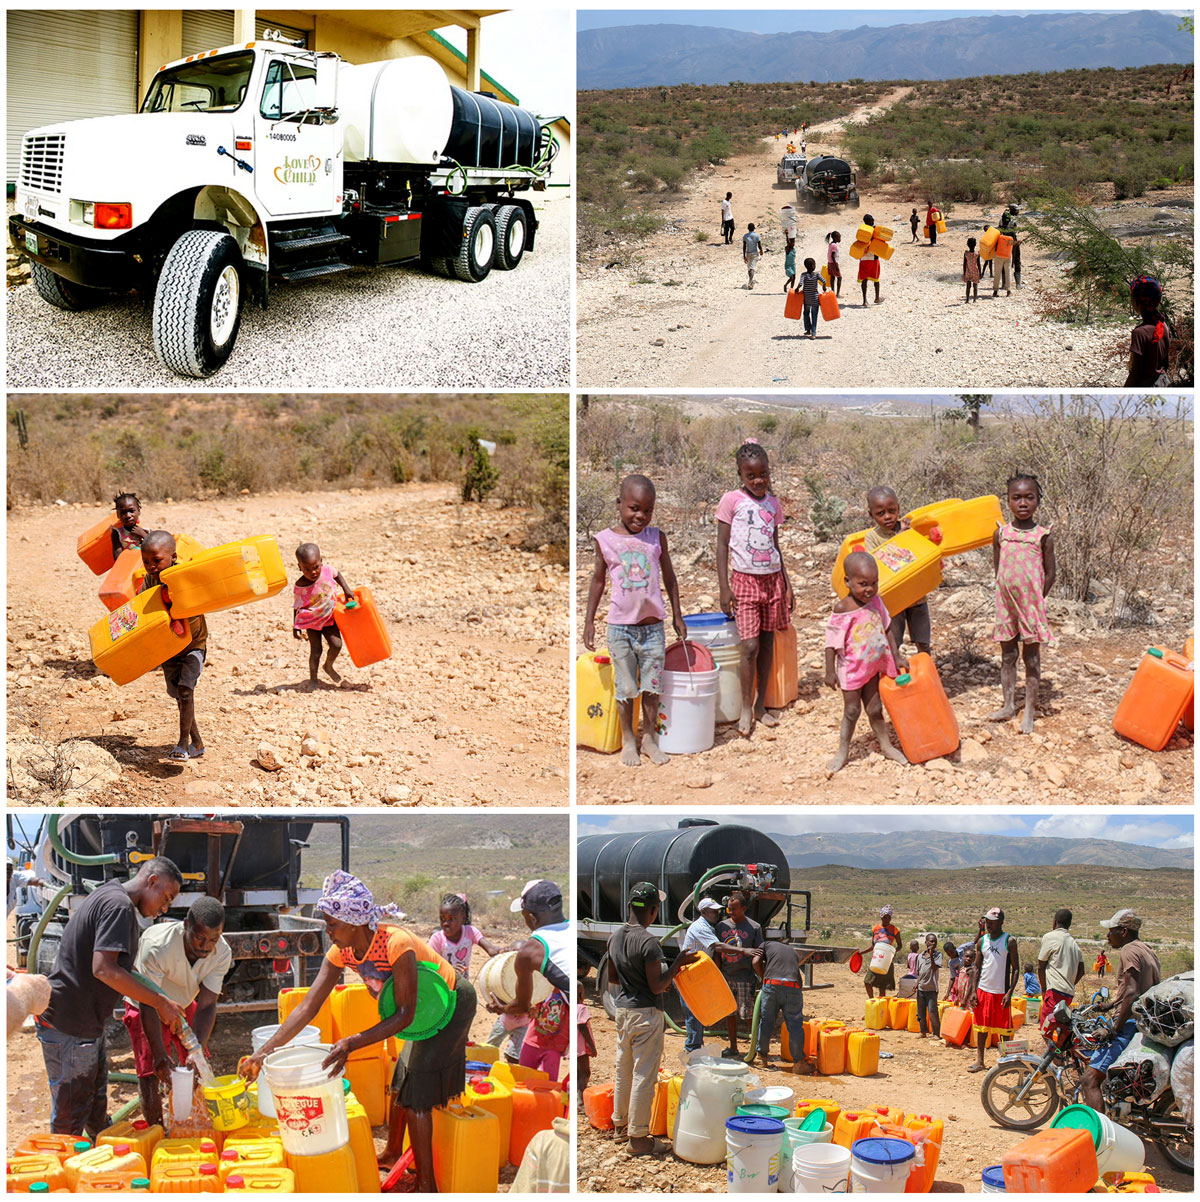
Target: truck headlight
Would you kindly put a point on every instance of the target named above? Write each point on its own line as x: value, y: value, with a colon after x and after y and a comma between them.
x: 103, y: 215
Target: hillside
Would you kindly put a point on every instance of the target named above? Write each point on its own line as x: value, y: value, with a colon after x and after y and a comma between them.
x: 642, y: 55
x: 943, y: 849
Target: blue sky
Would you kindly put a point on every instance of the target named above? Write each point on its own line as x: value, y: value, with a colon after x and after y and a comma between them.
x: 1157, y: 829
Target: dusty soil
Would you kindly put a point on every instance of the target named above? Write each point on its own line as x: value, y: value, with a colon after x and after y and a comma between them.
x: 479, y: 636
x: 674, y: 312
x: 28, y: 1110
x: 924, y: 1076
x: 1072, y: 757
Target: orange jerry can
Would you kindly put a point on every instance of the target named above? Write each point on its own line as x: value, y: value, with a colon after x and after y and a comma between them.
x: 1157, y: 699
x: 363, y: 631
x: 94, y: 545
x: 858, y: 249
x: 956, y: 1026
x: 793, y: 307
x: 784, y: 685
x: 882, y: 250
x: 536, y: 1104
x: 829, y: 306
x: 831, y: 1051
x: 118, y: 586
x: 27, y: 1170
x: 920, y: 711
x: 136, y: 638
x: 1189, y: 653
x: 898, y: 1008
x: 1004, y: 245
x: 598, y: 1106
x: 225, y: 576
x: 1059, y: 1160
x: 660, y: 1105
x: 805, y: 1107
x: 703, y: 987
x: 48, y: 1144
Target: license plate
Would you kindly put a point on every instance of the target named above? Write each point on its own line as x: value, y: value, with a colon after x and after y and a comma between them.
x: 31, y: 242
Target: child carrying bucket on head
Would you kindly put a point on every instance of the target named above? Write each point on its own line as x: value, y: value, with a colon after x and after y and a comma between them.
x: 860, y: 648
x: 634, y: 554
x: 883, y: 507
x: 1023, y: 559
x: 757, y: 593
x: 455, y: 938
x: 128, y: 534
x: 314, y: 600
x: 789, y: 264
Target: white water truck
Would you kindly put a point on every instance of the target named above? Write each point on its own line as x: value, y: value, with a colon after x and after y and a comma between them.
x: 269, y: 162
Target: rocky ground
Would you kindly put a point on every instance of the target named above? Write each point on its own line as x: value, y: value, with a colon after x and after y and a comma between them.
x: 671, y: 311
x: 924, y: 1076
x: 1072, y: 757
x: 479, y: 636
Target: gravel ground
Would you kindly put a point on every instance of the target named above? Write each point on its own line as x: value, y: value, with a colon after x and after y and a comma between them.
x: 397, y: 328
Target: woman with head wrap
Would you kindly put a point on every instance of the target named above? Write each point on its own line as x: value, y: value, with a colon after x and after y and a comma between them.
x: 1150, y: 341
x: 432, y: 1070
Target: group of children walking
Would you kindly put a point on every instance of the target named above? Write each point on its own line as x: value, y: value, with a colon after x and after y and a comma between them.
x: 862, y: 639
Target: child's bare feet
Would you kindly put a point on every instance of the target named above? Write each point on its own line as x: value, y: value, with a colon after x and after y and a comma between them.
x: 309, y: 685
x: 332, y: 673
x: 1027, y: 722
x: 1003, y: 714
x: 629, y: 754
x: 651, y: 749
x: 746, y: 723
x: 766, y: 717
x: 839, y: 761
x: 892, y: 752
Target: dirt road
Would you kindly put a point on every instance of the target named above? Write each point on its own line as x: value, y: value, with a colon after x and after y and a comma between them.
x: 923, y: 1077
x: 479, y: 637
x: 675, y: 312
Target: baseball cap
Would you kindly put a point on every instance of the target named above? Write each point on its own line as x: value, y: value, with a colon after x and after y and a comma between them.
x: 995, y: 914
x: 538, y: 897
x: 645, y: 894
x: 709, y: 903
x: 1129, y: 919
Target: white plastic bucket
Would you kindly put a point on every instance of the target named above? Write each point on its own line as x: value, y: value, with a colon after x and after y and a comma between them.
x: 882, y: 955
x: 258, y: 1039
x: 183, y: 1084
x: 771, y: 1095
x: 820, y: 1169
x: 1118, y: 1150
x: 711, y: 630
x: 729, y: 683
x: 787, y: 216
x: 687, y: 711
x: 794, y: 1138
x: 880, y: 1165
x: 498, y: 979
x: 309, y: 1104
x: 752, y: 1150
x: 993, y: 1180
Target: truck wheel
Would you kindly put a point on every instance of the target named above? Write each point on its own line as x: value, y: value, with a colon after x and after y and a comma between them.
x: 511, y: 234
x: 198, y: 303
x: 854, y: 201
x: 63, y: 294
x: 478, y: 249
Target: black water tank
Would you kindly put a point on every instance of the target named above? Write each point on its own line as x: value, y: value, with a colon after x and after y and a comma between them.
x: 827, y: 164
x: 607, y: 866
x: 487, y: 133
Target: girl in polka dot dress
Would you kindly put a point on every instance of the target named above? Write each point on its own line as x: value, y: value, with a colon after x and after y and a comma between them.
x: 1023, y: 557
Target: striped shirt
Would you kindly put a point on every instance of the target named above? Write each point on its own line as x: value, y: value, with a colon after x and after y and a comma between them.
x: 810, y: 282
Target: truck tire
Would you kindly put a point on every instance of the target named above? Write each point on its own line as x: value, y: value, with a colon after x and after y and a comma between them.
x: 198, y: 303
x: 478, y: 250
x: 63, y: 294
x: 854, y: 201
x: 512, y: 232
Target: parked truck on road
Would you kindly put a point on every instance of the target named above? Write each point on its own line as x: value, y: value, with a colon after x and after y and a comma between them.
x: 268, y: 162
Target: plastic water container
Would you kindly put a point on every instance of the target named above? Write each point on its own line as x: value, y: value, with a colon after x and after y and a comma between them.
x: 362, y: 1146
x: 141, y: 1136
x: 830, y: 310
x: 688, y: 712
x: 496, y: 1098
x: 258, y: 1040
x: 831, y: 1052
x: 753, y: 1148
x: 1054, y: 1161
x: 94, y: 545
x: 498, y: 979
x: 882, y: 250
x: 880, y: 1165
x: 227, y: 1102
x: 794, y: 1138
x: 250, y: 1154
x: 106, y: 1158
x: 536, y: 1104
x: 772, y: 1095
x: 882, y: 955
x: 820, y: 1169
x: 47, y: 1143
x: 598, y: 1106
x: 674, y: 1087
x: 806, y: 1106
x: 324, y: 1173
x: 956, y: 1026
x: 862, y: 1053
x: 858, y: 249
x: 705, y: 990
x: 263, y: 1181
x: 921, y: 713
x: 1158, y: 697
x: 988, y: 240
x: 118, y: 586
x: 708, y: 1098
x: 876, y: 1018
x: 104, y: 1183
x: 910, y: 567
x: 783, y: 687
x: 1004, y: 245
x: 363, y: 630
x: 787, y: 218
x: 250, y: 569
x: 135, y: 638
x: 793, y: 305
x: 720, y: 635
x: 993, y: 1180
x: 23, y: 1171
x: 853, y: 1125
x: 308, y: 1102
x: 1118, y: 1150
x: 865, y: 233
x: 962, y: 525
x: 354, y: 1010
x: 188, y: 1150
x: 924, y: 1133
x: 369, y: 1080
x: 287, y: 1001
x: 597, y: 722
x: 763, y: 1111
x: 659, y: 1106
x: 466, y: 1150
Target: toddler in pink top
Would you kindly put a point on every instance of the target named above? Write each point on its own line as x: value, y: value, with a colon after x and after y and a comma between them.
x: 859, y: 648
x: 314, y: 600
x: 455, y: 938
x: 634, y: 555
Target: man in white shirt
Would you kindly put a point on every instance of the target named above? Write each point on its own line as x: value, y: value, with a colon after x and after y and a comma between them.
x: 1059, y: 969
x: 188, y: 962
x: 701, y: 936
x: 727, y: 218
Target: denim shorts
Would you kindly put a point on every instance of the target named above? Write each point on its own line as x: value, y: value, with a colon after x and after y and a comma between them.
x: 638, y: 655
x: 1103, y: 1057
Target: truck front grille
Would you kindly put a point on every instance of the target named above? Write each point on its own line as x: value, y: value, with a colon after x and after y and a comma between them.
x: 42, y: 162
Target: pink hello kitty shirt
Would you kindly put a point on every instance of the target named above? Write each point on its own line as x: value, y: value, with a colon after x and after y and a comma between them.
x: 752, y: 526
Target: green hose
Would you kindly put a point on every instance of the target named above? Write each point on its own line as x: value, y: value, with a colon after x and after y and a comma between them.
x: 48, y: 913
x: 127, y: 1078
x: 72, y: 857
x: 127, y: 1109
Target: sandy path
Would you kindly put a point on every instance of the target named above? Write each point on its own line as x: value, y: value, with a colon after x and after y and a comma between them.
x: 479, y: 635
x: 692, y: 298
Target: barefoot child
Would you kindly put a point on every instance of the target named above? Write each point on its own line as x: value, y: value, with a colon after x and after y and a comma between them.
x: 789, y: 265
x: 810, y: 283
x: 832, y: 254
x: 859, y: 648
x: 914, y: 221
x: 181, y: 672
x: 883, y: 506
x: 634, y: 553
x: 129, y: 533
x: 314, y: 601
x: 972, y: 272
x: 455, y: 938
x: 868, y: 268
x: 1023, y: 559
x: 757, y: 595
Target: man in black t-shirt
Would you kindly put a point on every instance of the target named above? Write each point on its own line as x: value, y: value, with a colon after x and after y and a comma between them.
x: 90, y: 975
x: 636, y: 968
x: 740, y: 936
x: 782, y: 991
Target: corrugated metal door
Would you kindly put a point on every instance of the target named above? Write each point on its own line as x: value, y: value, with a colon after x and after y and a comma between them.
x: 208, y: 30
x: 65, y: 64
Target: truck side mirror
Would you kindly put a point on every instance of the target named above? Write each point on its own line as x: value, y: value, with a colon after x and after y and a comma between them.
x: 325, y: 92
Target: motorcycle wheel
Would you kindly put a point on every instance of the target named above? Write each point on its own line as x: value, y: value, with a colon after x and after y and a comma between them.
x: 1179, y: 1152
x: 999, y: 1096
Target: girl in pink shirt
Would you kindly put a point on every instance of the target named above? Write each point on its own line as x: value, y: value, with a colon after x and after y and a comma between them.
x: 314, y: 601
x: 859, y: 649
x: 455, y: 938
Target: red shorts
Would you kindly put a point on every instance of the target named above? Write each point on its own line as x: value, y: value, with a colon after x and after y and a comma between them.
x: 990, y: 1014
x: 143, y: 1058
x: 868, y: 269
x: 761, y: 603
x: 1050, y: 999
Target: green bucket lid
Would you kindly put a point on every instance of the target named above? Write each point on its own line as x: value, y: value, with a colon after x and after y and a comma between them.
x: 1081, y: 1118
x: 435, y: 1003
x: 814, y: 1121
x: 764, y: 1110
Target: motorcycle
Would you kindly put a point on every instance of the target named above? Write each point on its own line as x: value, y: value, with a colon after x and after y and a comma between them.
x: 1023, y: 1091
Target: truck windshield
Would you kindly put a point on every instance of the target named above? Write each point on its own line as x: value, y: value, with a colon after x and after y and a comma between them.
x: 209, y: 85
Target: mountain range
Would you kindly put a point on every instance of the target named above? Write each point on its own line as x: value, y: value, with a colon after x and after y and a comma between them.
x: 953, y: 850
x: 629, y: 56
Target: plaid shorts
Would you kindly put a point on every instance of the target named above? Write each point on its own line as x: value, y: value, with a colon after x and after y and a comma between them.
x: 761, y: 603
x: 744, y: 992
